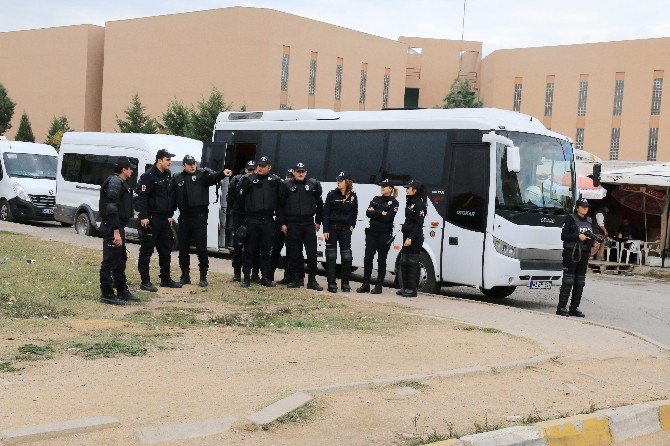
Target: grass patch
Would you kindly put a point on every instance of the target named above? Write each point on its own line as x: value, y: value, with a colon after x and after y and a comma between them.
x: 111, y: 344
x: 433, y: 437
x: 32, y: 352
x: 655, y: 274
x: 482, y: 329
x: 486, y: 427
x: 170, y: 317
x: 9, y: 367
x: 300, y: 415
x: 413, y: 384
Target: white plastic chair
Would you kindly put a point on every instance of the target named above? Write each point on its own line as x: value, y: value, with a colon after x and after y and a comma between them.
x: 611, y: 245
x: 651, y: 247
x: 632, y: 247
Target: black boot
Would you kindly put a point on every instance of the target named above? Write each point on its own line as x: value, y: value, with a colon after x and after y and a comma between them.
x: 378, y: 288
x: 577, y: 291
x: 107, y: 296
x: 287, y: 278
x: 203, y: 279
x: 402, y: 264
x: 564, y: 295
x: 255, y: 276
x: 146, y: 285
x: 331, y: 268
x: 347, y: 258
x: 124, y: 293
x: 295, y: 281
x: 237, y: 274
x: 246, y: 282
x: 412, y: 275
x: 365, y: 287
x: 266, y: 281
x: 312, y: 284
x: 185, y: 278
x: 169, y: 283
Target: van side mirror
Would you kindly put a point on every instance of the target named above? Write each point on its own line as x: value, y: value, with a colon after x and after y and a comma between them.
x: 513, y: 159
x: 597, y: 168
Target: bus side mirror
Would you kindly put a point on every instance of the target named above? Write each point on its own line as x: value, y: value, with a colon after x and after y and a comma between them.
x: 513, y: 159
x: 596, y: 174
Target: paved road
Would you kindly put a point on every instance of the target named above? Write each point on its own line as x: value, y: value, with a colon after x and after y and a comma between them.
x: 638, y: 304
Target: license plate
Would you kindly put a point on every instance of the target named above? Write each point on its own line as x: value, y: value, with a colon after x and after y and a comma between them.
x: 47, y: 211
x: 540, y: 284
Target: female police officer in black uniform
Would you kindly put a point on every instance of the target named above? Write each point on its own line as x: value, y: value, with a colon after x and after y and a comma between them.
x: 381, y: 212
x: 412, y: 233
x: 339, y: 218
x: 578, y: 237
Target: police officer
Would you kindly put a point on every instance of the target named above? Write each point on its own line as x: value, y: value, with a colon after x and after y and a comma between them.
x: 378, y: 237
x: 236, y: 206
x: 339, y: 219
x: 190, y: 194
x: 155, y: 213
x: 279, y: 242
x: 260, y: 194
x: 412, y: 233
x: 578, y: 238
x: 300, y: 216
x: 116, y: 209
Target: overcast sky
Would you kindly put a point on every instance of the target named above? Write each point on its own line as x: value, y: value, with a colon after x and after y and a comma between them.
x: 497, y: 23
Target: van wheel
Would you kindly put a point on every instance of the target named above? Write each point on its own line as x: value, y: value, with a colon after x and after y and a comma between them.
x: 5, y: 211
x: 427, y: 281
x: 83, y: 225
x: 498, y: 292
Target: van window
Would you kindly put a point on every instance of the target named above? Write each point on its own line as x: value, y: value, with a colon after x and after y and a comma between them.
x: 359, y: 153
x: 91, y: 169
x: 416, y: 155
x: 29, y: 165
x: 305, y: 147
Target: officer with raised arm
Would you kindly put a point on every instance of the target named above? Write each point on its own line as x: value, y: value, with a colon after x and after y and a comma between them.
x: 116, y: 209
x: 190, y: 194
x: 155, y: 213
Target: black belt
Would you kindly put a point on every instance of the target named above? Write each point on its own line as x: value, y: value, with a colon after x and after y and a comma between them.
x: 259, y: 220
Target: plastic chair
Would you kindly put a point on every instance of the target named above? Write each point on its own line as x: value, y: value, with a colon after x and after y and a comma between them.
x: 651, y: 247
x: 611, y: 245
x: 632, y: 247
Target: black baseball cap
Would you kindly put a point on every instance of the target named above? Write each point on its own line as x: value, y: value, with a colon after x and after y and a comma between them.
x: 264, y: 161
x: 583, y: 202
x: 386, y: 183
x: 251, y: 165
x: 123, y: 162
x: 300, y: 166
x: 162, y: 153
x: 344, y: 176
x: 415, y: 184
x: 189, y: 159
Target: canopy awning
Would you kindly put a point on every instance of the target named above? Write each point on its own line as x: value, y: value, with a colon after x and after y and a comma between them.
x: 650, y: 175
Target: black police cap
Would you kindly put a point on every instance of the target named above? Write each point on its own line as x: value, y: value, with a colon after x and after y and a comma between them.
x: 123, y: 162
x: 415, y: 184
x: 264, y: 161
x: 300, y: 166
x: 583, y: 202
x: 189, y: 159
x: 162, y: 153
x: 344, y: 176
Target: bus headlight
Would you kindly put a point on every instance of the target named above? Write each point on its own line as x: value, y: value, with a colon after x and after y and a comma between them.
x: 505, y: 248
x: 21, y: 192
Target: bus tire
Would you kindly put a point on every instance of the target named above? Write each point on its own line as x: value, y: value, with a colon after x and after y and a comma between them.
x: 498, y: 292
x: 427, y: 281
x: 5, y: 211
x: 83, y: 224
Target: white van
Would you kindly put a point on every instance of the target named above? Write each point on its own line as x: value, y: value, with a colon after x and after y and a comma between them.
x: 27, y: 181
x: 86, y: 159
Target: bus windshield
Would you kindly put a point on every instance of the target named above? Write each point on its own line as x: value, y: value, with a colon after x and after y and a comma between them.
x: 545, y: 182
x: 28, y: 165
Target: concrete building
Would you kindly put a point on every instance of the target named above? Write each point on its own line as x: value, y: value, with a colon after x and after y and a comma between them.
x: 54, y: 71
x: 607, y: 96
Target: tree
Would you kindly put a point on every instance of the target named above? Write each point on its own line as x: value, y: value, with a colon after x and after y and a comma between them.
x: 137, y: 121
x: 202, y: 122
x: 25, y: 132
x: 176, y: 119
x: 462, y: 95
x: 6, y: 110
x: 59, y: 125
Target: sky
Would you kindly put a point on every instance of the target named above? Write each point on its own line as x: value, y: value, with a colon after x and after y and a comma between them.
x: 496, y: 23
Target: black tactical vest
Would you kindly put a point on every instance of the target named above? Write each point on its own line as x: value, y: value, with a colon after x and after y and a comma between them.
x: 263, y: 194
x: 584, y: 227
x: 300, y: 198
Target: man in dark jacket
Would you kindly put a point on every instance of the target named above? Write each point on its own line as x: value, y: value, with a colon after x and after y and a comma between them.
x: 578, y: 238
x: 190, y: 194
x: 235, y: 205
x: 300, y: 215
x: 155, y: 214
x: 116, y: 209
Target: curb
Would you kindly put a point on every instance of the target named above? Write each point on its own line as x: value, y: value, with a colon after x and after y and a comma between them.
x: 45, y: 431
x: 601, y: 428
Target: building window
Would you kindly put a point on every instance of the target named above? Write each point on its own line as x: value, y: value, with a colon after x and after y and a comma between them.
x: 656, y: 93
x: 312, y: 77
x: 653, y: 144
x: 614, y: 143
x: 618, y: 98
x: 385, y: 93
x: 363, y: 86
x: 284, y: 72
x: 549, y: 99
x: 517, y: 97
x: 579, y: 139
x: 338, y: 82
x: 581, y: 105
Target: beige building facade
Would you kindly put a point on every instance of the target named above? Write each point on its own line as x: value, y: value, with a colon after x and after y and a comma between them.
x: 54, y: 71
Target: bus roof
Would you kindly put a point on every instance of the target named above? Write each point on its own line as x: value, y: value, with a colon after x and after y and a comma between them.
x: 324, y: 119
x: 27, y: 147
x: 149, y: 143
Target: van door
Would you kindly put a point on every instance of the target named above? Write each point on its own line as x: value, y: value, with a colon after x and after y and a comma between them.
x: 467, y: 204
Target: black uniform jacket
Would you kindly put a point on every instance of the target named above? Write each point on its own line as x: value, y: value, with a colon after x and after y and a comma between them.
x: 153, y: 193
x: 260, y: 194
x: 301, y: 202
x: 190, y: 191
x: 116, y: 202
x: 339, y: 210
x: 378, y: 222
x: 572, y: 227
x: 415, y: 213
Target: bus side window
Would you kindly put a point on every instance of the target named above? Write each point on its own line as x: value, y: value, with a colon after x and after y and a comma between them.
x: 416, y: 155
x: 304, y: 147
x: 359, y: 153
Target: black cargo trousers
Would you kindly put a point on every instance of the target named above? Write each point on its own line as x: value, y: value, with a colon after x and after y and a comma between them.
x: 158, y: 235
x: 193, y: 227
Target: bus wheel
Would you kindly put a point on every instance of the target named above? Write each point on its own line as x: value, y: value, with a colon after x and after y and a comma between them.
x: 83, y: 224
x: 427, y: 281
x: 498, y: 292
